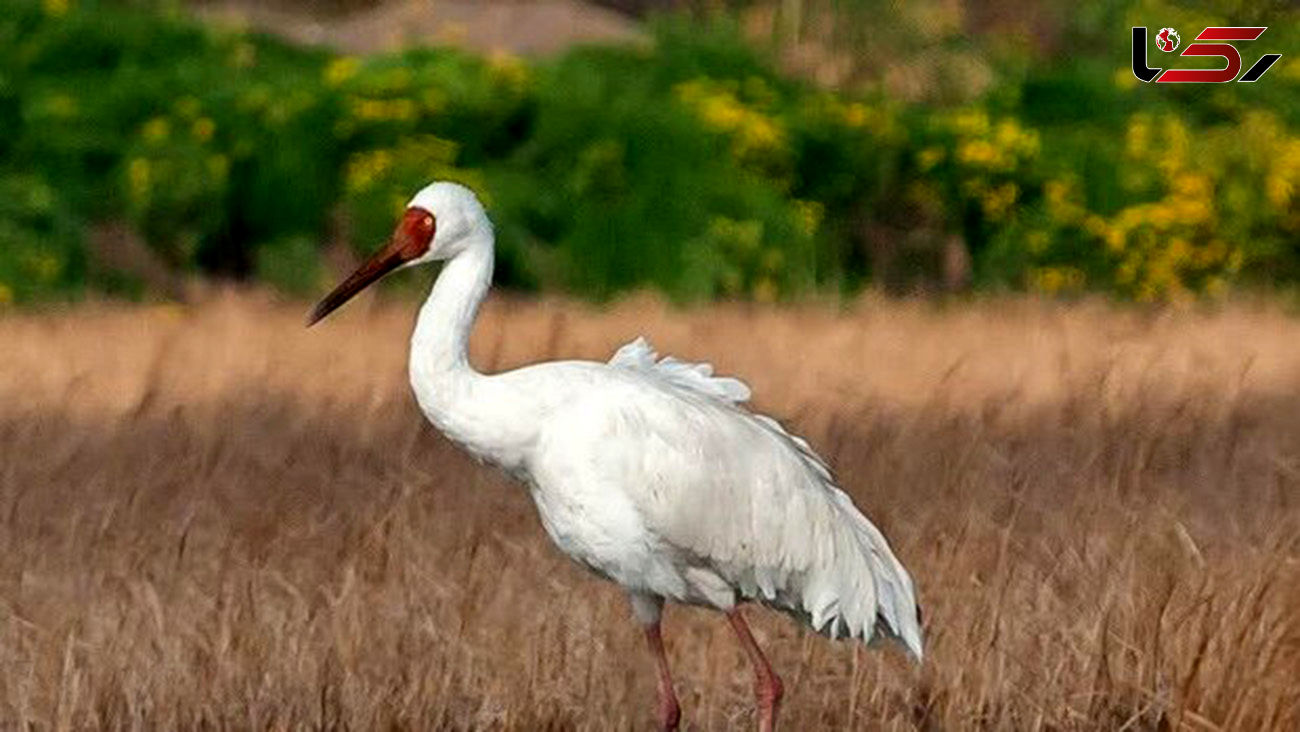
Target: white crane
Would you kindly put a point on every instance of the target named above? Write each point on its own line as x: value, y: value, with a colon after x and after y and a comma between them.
x: 648, y: 471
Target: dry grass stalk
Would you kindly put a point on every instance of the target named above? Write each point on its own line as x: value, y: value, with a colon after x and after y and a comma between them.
x: 209, y: 517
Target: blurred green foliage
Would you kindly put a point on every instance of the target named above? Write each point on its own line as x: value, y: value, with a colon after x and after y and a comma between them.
x: 691, y: 166
x: 41, y: 251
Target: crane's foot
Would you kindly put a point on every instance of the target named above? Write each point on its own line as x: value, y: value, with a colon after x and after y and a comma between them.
x: 767, y: 693
x: 768, y: 688
x: 669, y: 712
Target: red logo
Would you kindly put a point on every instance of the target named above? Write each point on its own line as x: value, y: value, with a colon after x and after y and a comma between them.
x: 1167, y: 40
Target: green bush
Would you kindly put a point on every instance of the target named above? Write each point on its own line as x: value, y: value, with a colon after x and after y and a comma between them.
x: 689, y: 165
x: 610, y: 191
x: 41, y: 253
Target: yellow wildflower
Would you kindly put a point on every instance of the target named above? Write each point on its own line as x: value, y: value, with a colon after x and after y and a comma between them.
x: 810, y: 215
x: 930, y: 157
x: 383, y: 110
x: 998, y: 201
x: 1137, y: 138
x: 1060, y: 201
x: 765, y: 290
x: 366, y: 167
x: 855, y: 115
x: 971, y: 122
x: 44, y: 267
x: 508, y: 69
x: 157, y: 129
x: 1053, y: 280
x: 754, y: 134
x: 979, y: 153
x: 203, y: 128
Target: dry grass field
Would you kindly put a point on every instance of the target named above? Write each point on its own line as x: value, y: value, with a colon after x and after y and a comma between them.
x: 212, y: 518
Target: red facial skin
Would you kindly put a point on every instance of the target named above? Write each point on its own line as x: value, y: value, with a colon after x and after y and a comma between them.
x: 410, y: 241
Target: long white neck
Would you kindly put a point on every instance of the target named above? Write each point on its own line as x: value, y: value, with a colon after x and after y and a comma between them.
x: 440, y: 344
x: 479, y: 412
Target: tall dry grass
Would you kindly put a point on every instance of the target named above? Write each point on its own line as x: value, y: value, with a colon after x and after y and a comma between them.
x: 210, y: 517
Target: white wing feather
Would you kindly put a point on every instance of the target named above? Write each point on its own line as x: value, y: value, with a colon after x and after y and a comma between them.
x: 753, y: 506
x: 697, y: 377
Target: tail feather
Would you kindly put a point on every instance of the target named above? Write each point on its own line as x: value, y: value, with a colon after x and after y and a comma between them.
x: 863, y: 590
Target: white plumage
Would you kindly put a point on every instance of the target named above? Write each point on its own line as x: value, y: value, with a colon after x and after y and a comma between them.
x: 650, y: 471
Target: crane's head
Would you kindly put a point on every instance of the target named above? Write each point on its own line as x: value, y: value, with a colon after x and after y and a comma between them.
x: 439, y: 223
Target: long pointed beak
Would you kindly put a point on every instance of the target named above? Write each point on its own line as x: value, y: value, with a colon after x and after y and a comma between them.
x: 386, y: 260
x: 409, y: 242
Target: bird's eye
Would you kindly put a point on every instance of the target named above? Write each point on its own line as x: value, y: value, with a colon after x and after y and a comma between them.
x: 428, y: 222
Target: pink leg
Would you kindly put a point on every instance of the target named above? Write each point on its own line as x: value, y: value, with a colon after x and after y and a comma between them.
x: 767, y: 685
x: 670, y: 713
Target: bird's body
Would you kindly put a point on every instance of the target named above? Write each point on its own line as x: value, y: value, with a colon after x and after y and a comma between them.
x: 652, y: 472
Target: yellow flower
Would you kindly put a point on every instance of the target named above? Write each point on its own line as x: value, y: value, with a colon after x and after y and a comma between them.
x: 981, y: 154
x: 1284, y: 174
x: 1095, y: 225
x: 1137, y: 139
x: 930, y: 157
x: 6, y: 294
x: 157, y: 129
x: 1124, y: 78
x: 1060, y: 201
x: 765, y: 290
x: 755, y: 136
x: 810, y: 215
x: 1173, y: 150
x: 203, y: 128
x: 365, y: 167
x: 1115, y: 238
x: 758, y: 135
x: 1053, y: 280
x: 508, y: 69
x: 998, y: 201
x: 971, y: 122
x: 55, y: 8
x: 44, y: 267
x: 855, y: 115
x: 1011, y: 137
x: 383, y: 110
x: 1279, y: 190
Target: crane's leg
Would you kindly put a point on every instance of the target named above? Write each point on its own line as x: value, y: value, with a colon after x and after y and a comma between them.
x: 648, y: 610
x: 768, y: 688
